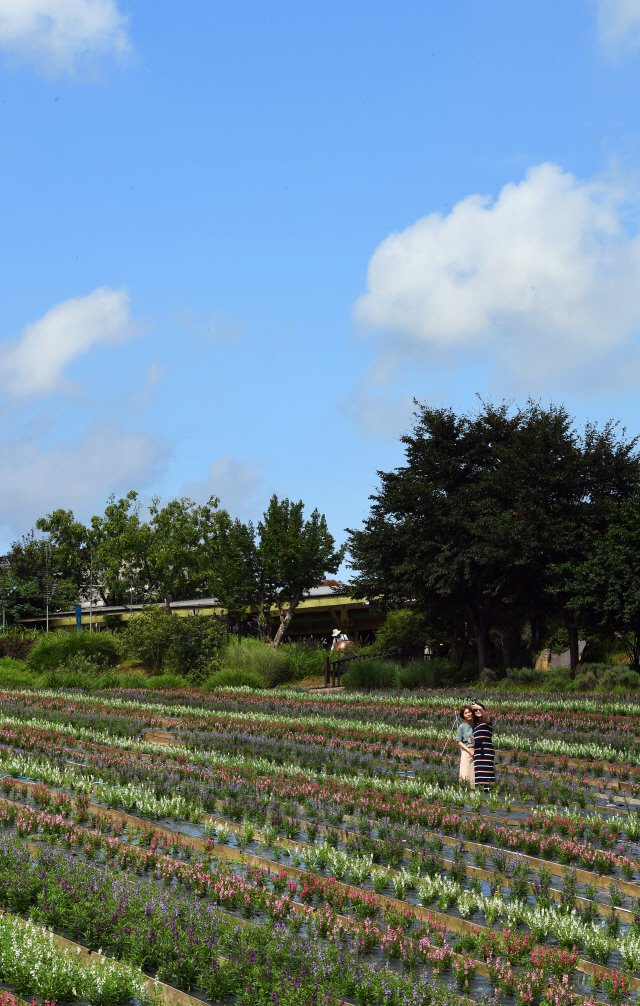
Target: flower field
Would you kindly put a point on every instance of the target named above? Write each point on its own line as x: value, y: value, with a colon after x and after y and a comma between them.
x: 304, y: 848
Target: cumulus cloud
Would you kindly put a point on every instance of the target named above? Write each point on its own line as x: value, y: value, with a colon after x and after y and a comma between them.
x: 77, y: 475
x: 544, y: 275
x: 34, y: 362
x: 619, y: 22
x: 63, y: 35
x: 235, y: 483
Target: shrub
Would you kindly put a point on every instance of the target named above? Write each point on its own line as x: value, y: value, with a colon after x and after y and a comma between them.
x: 12, y: 645
x: 402, y: 627
x: 14, y: 674
x: 417, y: 674
x: 196, y: 645
x: 585, y: 682
x: 557, y: 681
x: 629, y: 679
x: 233, y: 677
x: 57, y: 649
x: 525, y: 676
x: 371, y: 673
x: 270, y: 665
x: 149, y: 637
x: 304, y: 660
x: 189, y: 646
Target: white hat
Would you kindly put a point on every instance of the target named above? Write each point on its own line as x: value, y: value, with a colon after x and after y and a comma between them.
x: 336, y: 632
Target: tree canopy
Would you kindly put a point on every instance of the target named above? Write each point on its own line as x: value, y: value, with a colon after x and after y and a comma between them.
x: 487, y: 506
x: 180, y: 550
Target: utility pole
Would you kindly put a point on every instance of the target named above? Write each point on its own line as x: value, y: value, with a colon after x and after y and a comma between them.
x: 4, y: 587
x: 47, y: 576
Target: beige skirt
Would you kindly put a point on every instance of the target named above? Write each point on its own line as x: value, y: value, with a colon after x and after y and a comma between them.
x: 467, y: 771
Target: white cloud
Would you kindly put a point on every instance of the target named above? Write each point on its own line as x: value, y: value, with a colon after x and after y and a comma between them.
x: 62, y: 35
x: 619, y: 22
x: 76, y: 476
x: 545, y: 275
x: 235, y: 483
x: 34, y: 362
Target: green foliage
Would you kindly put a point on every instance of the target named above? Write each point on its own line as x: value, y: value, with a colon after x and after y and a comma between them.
x: 471, y: 527
x: 606, y: 581
x: 371, y: 673
x: 402, y: 627
x: 166, y: 555
x: 234, y: 677
x: 304, y: 660
x: 588, y: 678
x: 25, y: 594
x: 417, y: 674
x: 15, y: 674
x: 149, y: 637
x: 271, y: 666
x: 525, y: 676
x: 188, y: 646
x: 196, y: 646
x: 55, y: 649
x: 293, y: 555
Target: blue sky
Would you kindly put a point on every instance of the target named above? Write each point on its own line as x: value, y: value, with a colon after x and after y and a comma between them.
x: 239, y: 238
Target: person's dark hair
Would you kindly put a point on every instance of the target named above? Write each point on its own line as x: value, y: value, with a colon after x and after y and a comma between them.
x: 483, y: 717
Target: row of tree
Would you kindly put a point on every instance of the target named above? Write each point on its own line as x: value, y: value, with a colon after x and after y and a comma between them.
x: 506, y: 523
x: 183, y: 550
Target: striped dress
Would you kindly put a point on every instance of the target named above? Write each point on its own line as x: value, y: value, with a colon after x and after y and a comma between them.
x: 483, y: 754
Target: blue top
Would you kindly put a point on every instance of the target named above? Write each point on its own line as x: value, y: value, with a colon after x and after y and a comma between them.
x: 465, y: 734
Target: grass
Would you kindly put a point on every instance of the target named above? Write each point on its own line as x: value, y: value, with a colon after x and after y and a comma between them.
x: 17, y: 674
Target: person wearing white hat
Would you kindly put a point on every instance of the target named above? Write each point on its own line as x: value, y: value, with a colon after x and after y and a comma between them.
x: 340, y: 640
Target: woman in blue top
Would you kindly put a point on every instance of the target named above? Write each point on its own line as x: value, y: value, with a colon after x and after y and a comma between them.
x: 465, y: 741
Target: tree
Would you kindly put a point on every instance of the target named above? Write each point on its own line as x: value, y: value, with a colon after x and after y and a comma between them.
x: 484, y: 506
x: 606, y: 583
x: 186, y: 645
x: 26, y: 569
x: 292, y: 556
x: 233, y: 568
x: 160, y: 557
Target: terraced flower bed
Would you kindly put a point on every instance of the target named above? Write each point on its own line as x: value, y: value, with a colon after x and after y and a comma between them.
x: 245, y: 847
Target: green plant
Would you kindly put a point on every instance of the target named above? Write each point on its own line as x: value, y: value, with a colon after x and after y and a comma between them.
x: 262, y: 660
x: 525, y: 675
x: 417, y: 674
x: 186, y: 645
x: 15, y: 674
x: 233, y: 677
x: 371, y: 673
x: 304, y: 660
x: 629, y: 679
x: 57, y: 649
x: 402, y: 627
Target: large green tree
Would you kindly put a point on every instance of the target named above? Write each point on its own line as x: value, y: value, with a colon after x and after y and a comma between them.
x: 605, y: 584
x: 485, y: 504
x: 294, y: 555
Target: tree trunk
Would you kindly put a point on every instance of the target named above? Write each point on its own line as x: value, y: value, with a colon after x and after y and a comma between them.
x: 453, y: 653
x: 477, y: 623
x: 574, y: 653
x: 285, y: 618
x: 263, y: 628
x: 286, y: 614
x: 505, y: 647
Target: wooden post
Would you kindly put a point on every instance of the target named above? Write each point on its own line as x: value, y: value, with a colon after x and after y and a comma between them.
x: 326, y: 670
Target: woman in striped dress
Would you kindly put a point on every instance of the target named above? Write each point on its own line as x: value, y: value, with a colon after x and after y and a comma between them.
x: 484, y: 755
